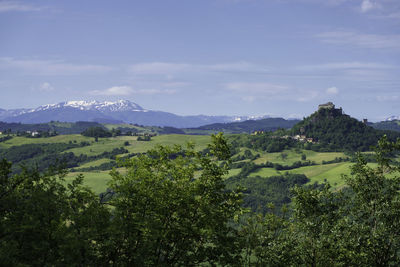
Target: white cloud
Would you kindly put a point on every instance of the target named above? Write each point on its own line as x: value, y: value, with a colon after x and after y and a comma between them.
x: 366, y: 5
x: 175, y: 84
x: 306, y: 96
x: 46, y: 87
x: 345, y: 66
x: 387, y: 98
x: 170, y: 69
x: 127, y: 90
x: 249, y: 98
x: 158, y: 68
x: 355, y: 71
x: 51, y: 67
x: 6, y: 6
x: 373, y: 41
x: 332, y: 90
x: 114, y: 91
x: 256, y: 88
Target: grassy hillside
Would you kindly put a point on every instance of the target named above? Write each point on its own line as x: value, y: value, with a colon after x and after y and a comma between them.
x: 249, y: 126
x: 322, y: 168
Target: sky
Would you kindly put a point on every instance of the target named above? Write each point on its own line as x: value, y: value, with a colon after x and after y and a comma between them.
x: 215, y: 57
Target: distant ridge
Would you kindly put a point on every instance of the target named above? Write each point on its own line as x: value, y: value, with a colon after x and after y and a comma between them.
x: 393, y: 118
x: 250, y: 126
x: 111, y: 112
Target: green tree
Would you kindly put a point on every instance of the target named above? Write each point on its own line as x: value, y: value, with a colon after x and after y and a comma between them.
x: 373, y: 222
x: 44, y: 222
x: 171, y: 208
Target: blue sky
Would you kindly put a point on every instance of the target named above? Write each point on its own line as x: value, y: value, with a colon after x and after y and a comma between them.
x: 214, y: 57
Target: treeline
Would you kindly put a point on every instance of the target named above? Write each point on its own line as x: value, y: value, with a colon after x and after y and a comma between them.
x: 164, y: 211
x: 53, y: 126
x: 5, y: 138
x: 250, y: 126
x: 387, y: 125
x: 42, y: 156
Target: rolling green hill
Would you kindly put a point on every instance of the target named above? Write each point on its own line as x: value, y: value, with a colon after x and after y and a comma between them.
x: 337, y: 131
x: 249, y: 126
x: 387, y: 125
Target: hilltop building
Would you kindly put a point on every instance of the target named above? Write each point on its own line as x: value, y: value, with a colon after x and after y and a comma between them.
x: 328, y: 105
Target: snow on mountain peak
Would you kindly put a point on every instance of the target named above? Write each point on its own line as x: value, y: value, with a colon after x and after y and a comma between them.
x: 120, y: 105
x: 392, y: 118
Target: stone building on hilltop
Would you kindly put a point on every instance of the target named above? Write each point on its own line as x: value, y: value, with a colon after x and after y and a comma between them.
x: 331, y: 107
x: 328, y: 105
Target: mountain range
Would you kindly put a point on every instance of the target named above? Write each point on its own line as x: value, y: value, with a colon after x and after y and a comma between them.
x: 121, y: 111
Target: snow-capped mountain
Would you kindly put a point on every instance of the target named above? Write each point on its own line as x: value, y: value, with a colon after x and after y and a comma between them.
x: 107, y: 106
x: 111, y: 112
x: 246, y: 118
x: 393, y: 118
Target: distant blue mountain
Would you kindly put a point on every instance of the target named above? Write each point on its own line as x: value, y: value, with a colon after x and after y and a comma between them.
x: 110, y: 112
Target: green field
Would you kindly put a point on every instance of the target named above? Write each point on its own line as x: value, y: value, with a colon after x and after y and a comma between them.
x: 17, y: 141
x: 97, y: 180
x: 293, y: 156
x: 94, y: 163
x: 108, y: 144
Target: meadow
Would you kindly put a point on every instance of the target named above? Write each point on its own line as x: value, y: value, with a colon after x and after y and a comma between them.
x: 98, y: 180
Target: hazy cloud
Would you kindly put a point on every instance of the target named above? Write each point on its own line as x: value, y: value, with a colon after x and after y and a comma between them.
x: 158, y: 68
x: 127, y: 90
x: 114, y: 91
x: 345, y: 66
x: 395, y: 15
x: 306, y: 96
x: 6, y: 6
x: 367, y: 5
x: 46, y: 87
x: 332, y: 90
x: 167, y: 68
x: 387, y: 98
x: 50, y: 67
x: 256, y: 88
x: 373, y: 41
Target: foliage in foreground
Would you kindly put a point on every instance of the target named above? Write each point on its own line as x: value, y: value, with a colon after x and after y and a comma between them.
x: 357, y: 226
x: 171, y: 208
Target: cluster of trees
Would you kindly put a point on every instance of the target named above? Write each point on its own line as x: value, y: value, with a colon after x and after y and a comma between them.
x: 249, y: 167
x: 42, y: 156
x: 172, y: 208
x: 159, y: 215
x: 96, y: 132
x: 259, y: 192
x: 53, y: 126
x: 270, y: 143
x: 357, y: 226
x: 144, y: 138
x: 246, y: 155
x: 5, y: 138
